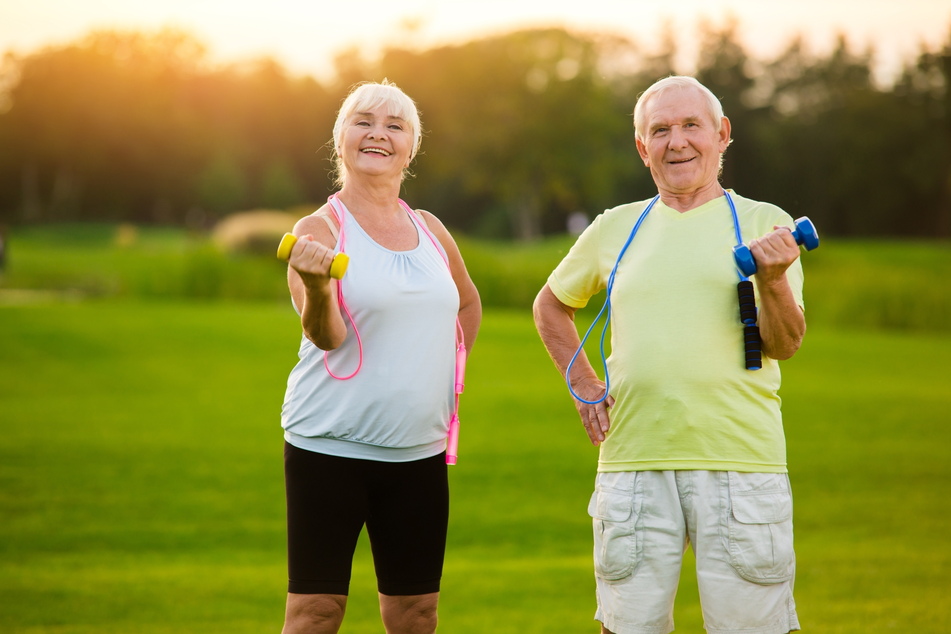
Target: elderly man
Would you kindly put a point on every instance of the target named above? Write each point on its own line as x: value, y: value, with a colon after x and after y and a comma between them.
x: 692, y: 448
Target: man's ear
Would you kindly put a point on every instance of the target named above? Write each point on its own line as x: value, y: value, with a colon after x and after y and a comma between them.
x: 642, y: 151
x: 724, y: 134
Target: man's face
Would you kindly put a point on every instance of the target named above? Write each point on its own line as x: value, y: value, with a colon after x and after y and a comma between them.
x: 681, y: 145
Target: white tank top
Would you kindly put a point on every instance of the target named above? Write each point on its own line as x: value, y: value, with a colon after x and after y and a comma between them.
x: 397, y: 407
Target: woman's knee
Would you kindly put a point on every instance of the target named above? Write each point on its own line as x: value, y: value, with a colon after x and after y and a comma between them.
x: 314, y: 613
x: 410, y: 614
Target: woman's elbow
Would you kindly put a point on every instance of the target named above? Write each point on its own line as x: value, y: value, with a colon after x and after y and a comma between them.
x: 324, y: 340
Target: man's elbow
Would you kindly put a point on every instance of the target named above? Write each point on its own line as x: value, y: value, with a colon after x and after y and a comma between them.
x: 786, y: 348
x: 781, y: 354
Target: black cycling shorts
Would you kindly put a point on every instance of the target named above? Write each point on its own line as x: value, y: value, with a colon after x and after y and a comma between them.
x: 405, y: 506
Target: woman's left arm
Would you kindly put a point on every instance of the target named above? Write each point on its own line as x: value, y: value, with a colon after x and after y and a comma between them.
x: 470, y: 305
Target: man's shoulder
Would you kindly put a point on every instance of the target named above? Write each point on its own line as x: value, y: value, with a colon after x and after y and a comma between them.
x: 755, y: 205
x: 622, y: 211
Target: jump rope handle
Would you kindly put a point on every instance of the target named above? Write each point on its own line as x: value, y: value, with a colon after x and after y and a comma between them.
x: 460, y: 368
x: 338, y: 267
x: 752, y: 343
x: 452, y: 440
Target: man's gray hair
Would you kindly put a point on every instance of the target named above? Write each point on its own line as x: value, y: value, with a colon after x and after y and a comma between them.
x: 679, y: 82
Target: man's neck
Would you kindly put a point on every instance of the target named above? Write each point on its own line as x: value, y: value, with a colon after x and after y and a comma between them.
x: 685, y: 201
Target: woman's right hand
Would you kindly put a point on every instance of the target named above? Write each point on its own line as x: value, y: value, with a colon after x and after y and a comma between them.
x: 312, y: 261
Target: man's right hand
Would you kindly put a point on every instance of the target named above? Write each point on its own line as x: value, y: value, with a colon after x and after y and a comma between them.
x: 595, y: 417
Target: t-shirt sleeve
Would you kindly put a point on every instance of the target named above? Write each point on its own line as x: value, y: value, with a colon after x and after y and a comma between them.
x: 795, y: 277
x: 794, y: 274
x: 578, y: 276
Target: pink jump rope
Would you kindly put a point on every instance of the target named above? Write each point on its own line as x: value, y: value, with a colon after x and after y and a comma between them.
x: 337, y: 271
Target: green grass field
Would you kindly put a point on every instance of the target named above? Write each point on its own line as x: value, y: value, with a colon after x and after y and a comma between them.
x: 141, y: 485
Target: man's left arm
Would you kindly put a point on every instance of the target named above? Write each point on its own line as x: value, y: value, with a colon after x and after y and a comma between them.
x: 782, y: 324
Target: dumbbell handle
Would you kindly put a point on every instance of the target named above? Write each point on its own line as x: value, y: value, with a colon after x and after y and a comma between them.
x: 804, y: 234
x: 337, y: 268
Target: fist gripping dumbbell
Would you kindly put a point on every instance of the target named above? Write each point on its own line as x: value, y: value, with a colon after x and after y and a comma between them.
x: 804, y: 234
x: 337, y: 268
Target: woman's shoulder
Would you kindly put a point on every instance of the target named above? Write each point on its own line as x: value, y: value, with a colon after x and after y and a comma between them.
x: 428, y: 218
x: 432, y: 223
x: 322, y: 224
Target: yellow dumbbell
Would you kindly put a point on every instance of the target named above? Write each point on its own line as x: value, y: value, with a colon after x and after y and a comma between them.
x: 337, y: 268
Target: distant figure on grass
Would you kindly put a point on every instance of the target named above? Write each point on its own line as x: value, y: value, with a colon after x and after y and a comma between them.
x: 692, y: 448
x: 367, y: 406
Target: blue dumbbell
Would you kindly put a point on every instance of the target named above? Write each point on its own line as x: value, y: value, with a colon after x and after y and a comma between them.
x: 804, y: 234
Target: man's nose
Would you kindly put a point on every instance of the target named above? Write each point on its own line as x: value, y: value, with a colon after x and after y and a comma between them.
x: 678, y: 139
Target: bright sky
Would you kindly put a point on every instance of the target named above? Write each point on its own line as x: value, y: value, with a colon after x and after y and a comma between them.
x: 304, y: 35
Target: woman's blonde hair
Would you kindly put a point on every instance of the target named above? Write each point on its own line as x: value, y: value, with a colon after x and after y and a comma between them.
x: 370, y: 96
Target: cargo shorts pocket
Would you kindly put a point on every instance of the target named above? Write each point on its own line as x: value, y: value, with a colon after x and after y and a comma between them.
x: 760, y: 527
x: 616, y: 548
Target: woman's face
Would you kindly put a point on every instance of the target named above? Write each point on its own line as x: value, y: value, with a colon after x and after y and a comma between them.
x: 376, y: 143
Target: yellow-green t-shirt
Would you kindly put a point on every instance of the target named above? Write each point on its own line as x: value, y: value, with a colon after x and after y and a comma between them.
x: 683, y: 397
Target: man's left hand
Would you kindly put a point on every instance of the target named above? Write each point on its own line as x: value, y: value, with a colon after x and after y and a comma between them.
x: 773, y: 253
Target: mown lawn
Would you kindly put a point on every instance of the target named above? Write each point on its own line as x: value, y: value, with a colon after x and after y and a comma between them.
x: 141, y: 484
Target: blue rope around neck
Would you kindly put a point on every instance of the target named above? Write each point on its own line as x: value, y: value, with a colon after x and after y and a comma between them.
x: 606, y: 308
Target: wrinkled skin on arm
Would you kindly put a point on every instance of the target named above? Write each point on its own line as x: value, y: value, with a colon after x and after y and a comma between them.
x: 555, y: 322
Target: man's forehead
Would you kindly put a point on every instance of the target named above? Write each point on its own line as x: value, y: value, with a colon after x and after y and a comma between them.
x: 666, y: 118
x: 677, y: 106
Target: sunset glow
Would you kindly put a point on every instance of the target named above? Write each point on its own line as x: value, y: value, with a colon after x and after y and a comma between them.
x: 305, y: 35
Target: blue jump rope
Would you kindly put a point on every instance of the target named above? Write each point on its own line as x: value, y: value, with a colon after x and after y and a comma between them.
x: 751, y: 336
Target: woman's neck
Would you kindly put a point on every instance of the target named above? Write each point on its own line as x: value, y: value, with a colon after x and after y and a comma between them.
x: 371, y: 197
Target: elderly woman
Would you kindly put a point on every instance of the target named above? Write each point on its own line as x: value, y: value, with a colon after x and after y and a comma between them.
x: 367, y: 407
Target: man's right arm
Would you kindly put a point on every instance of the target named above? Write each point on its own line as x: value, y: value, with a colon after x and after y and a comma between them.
x: 555, y: 322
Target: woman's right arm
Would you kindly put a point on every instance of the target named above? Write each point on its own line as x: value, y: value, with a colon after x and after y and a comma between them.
x: 313, y: 290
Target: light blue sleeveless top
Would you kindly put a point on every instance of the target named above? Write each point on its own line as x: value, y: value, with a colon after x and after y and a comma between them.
x: 397, y: 407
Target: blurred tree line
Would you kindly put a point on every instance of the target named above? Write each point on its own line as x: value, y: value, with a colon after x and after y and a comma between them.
x: 521, y: 130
